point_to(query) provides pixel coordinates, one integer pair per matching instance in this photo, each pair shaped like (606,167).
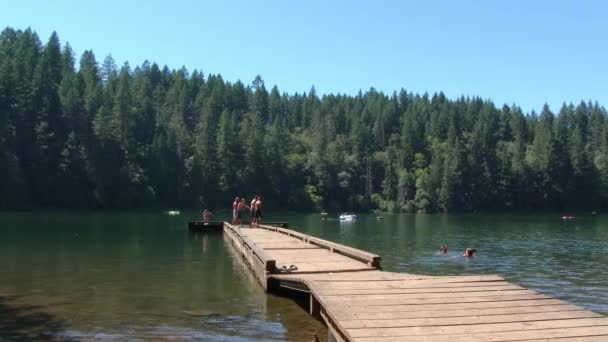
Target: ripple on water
(229,328)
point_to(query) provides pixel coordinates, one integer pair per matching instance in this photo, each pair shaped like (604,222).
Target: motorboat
(348,217)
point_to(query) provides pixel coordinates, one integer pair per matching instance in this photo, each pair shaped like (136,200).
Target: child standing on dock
(206,215)
(235,205)
(258,211)
(252,211)
(239,215)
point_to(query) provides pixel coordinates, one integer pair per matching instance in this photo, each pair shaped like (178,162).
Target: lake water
(141,276)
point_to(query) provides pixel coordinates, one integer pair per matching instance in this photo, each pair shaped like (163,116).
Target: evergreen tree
(391,174)
(49,129)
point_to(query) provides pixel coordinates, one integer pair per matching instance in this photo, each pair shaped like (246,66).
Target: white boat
(348,217)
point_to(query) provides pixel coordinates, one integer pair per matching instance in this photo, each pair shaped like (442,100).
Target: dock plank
(448,306)
(488,289)
(473,318)
(457,295)
(404,284)
(586,333)
(412,301)
(521,327)
(596,338)
(390,277)
(437,311)
(316,267)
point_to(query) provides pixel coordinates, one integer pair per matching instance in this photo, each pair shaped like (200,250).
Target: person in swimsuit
(252,212)
(235,205)
(206,215)
(258,211)
(443,249)
(239,210)
(469,252)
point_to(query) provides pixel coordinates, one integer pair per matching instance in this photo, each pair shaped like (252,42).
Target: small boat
(348,217)
(568,218)
(173,212)
(379,218)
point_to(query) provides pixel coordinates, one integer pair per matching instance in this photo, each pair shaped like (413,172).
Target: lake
(142,276)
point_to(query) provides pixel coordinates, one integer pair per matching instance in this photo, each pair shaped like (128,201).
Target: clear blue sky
(523,52)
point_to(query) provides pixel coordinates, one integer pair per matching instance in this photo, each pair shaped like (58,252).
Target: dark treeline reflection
(90,135)
(23,322)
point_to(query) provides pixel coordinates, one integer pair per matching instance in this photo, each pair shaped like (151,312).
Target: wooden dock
(360,302)
(201,226)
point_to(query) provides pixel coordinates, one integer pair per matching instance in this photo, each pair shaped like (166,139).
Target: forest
(90,135)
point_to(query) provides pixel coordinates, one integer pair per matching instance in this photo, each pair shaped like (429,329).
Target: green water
(134,276)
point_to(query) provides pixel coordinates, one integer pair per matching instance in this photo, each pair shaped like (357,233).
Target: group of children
(238,206)
(255,209)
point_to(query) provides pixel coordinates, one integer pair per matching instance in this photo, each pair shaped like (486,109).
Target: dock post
(315,307)
(272,285)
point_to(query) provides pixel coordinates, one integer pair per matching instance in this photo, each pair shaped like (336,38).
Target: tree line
(93,135)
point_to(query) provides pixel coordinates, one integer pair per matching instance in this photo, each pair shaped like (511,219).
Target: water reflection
(142,276)
(20,321)
(116,277)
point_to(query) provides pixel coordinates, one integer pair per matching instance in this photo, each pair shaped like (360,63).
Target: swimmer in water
(469,252)
(443,249)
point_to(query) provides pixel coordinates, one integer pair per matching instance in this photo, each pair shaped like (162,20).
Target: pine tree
(227,154)
(453,195)
(391,175)
(584,174)
(49,128)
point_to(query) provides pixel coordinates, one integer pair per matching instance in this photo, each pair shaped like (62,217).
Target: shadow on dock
(23,322)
